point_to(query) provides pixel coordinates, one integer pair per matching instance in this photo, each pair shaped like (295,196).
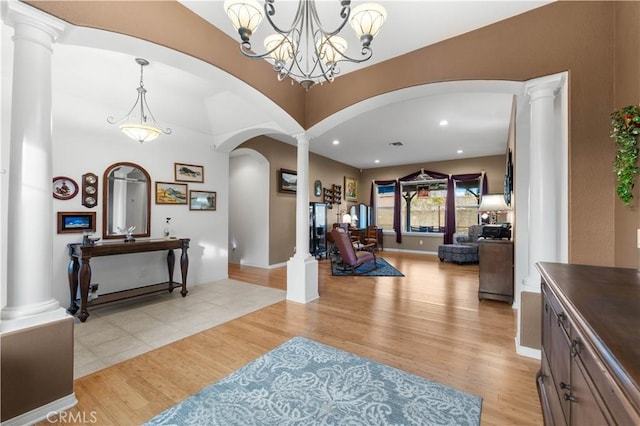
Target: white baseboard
(46,412)
(526,351)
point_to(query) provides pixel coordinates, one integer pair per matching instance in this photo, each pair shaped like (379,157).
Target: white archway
(248,208)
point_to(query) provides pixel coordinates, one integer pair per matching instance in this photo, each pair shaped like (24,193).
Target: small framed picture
(202,200)
(171,193)
(188,173)
(76,222)
(288,181)
(64,188)
(317,188)
(350,189)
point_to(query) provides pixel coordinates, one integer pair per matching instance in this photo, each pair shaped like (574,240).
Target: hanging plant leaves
(625,128)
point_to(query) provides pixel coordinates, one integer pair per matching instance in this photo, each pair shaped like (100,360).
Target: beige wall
(589,39)
(562,36)
(627,92)
(282,205)
(493,166)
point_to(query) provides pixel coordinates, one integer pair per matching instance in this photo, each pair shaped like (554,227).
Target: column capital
(546,86)
(302,137)
(15,13)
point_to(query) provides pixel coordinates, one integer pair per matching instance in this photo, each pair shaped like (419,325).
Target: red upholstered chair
(351,258)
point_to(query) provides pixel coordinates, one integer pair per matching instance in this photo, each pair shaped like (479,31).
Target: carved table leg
(171,261)
(72,272)
(85,279)
(184,268)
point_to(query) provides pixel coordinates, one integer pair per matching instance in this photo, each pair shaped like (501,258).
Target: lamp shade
(245,14)
(280,47)
(140,132)
(331,48)
(346,218)
(493,203)
(367,19)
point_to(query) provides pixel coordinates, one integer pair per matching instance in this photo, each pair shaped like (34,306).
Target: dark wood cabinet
(496,270)
(362,233)
(590,367)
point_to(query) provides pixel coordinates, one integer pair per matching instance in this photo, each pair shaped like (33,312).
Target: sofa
(465,248)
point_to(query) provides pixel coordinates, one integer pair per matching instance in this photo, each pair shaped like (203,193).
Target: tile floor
(121,330)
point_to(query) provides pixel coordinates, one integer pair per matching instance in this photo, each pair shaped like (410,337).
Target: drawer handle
(569,398)
(575,347)
(563,385)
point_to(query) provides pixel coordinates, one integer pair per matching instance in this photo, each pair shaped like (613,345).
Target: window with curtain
(424,205)
(384,206)
(467,199)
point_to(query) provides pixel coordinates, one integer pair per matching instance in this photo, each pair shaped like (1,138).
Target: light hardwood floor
(429,323)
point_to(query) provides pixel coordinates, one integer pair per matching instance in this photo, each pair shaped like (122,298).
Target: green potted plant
(625,128)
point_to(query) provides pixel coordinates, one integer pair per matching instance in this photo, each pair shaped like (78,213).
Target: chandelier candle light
(139,124)
(305,50)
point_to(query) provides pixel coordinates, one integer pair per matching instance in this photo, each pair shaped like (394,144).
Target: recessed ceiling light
(443,122)
(336,142)
(376,161)
(459,151)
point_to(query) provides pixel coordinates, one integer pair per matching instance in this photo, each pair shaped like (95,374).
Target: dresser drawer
(616,407)
(559,312)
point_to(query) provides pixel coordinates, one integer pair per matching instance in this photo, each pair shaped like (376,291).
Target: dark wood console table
(79,270)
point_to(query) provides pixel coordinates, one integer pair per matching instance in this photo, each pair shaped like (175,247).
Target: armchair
(472,237)
(464,250)
(351,258)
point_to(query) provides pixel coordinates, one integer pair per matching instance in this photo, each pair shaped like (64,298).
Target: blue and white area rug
(384,269)
(303,382)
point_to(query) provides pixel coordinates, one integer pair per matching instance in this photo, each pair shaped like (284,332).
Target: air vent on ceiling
(396,143)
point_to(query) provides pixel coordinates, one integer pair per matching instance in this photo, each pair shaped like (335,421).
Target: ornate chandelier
(305,50)
(139,124)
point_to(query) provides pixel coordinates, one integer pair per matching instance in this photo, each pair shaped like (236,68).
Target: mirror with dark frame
(126,201)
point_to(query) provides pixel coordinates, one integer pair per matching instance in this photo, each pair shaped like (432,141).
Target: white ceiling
(212,102)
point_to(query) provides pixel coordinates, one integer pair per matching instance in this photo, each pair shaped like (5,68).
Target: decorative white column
(544,169)
(302,268)
(30,211)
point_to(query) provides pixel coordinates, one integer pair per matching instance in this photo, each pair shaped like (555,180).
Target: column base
(302,279)
(26,311)
(25,321)
(42,353)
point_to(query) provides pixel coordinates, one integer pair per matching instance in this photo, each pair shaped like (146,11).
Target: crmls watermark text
(69,417)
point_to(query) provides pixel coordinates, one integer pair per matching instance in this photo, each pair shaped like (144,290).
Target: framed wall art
(171,193)
(202,200)
(64,188)
(288,181)
(350,189)
(188,173)
(76,222)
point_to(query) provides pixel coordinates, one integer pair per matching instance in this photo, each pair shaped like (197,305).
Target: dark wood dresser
(496,270)
(590,367)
